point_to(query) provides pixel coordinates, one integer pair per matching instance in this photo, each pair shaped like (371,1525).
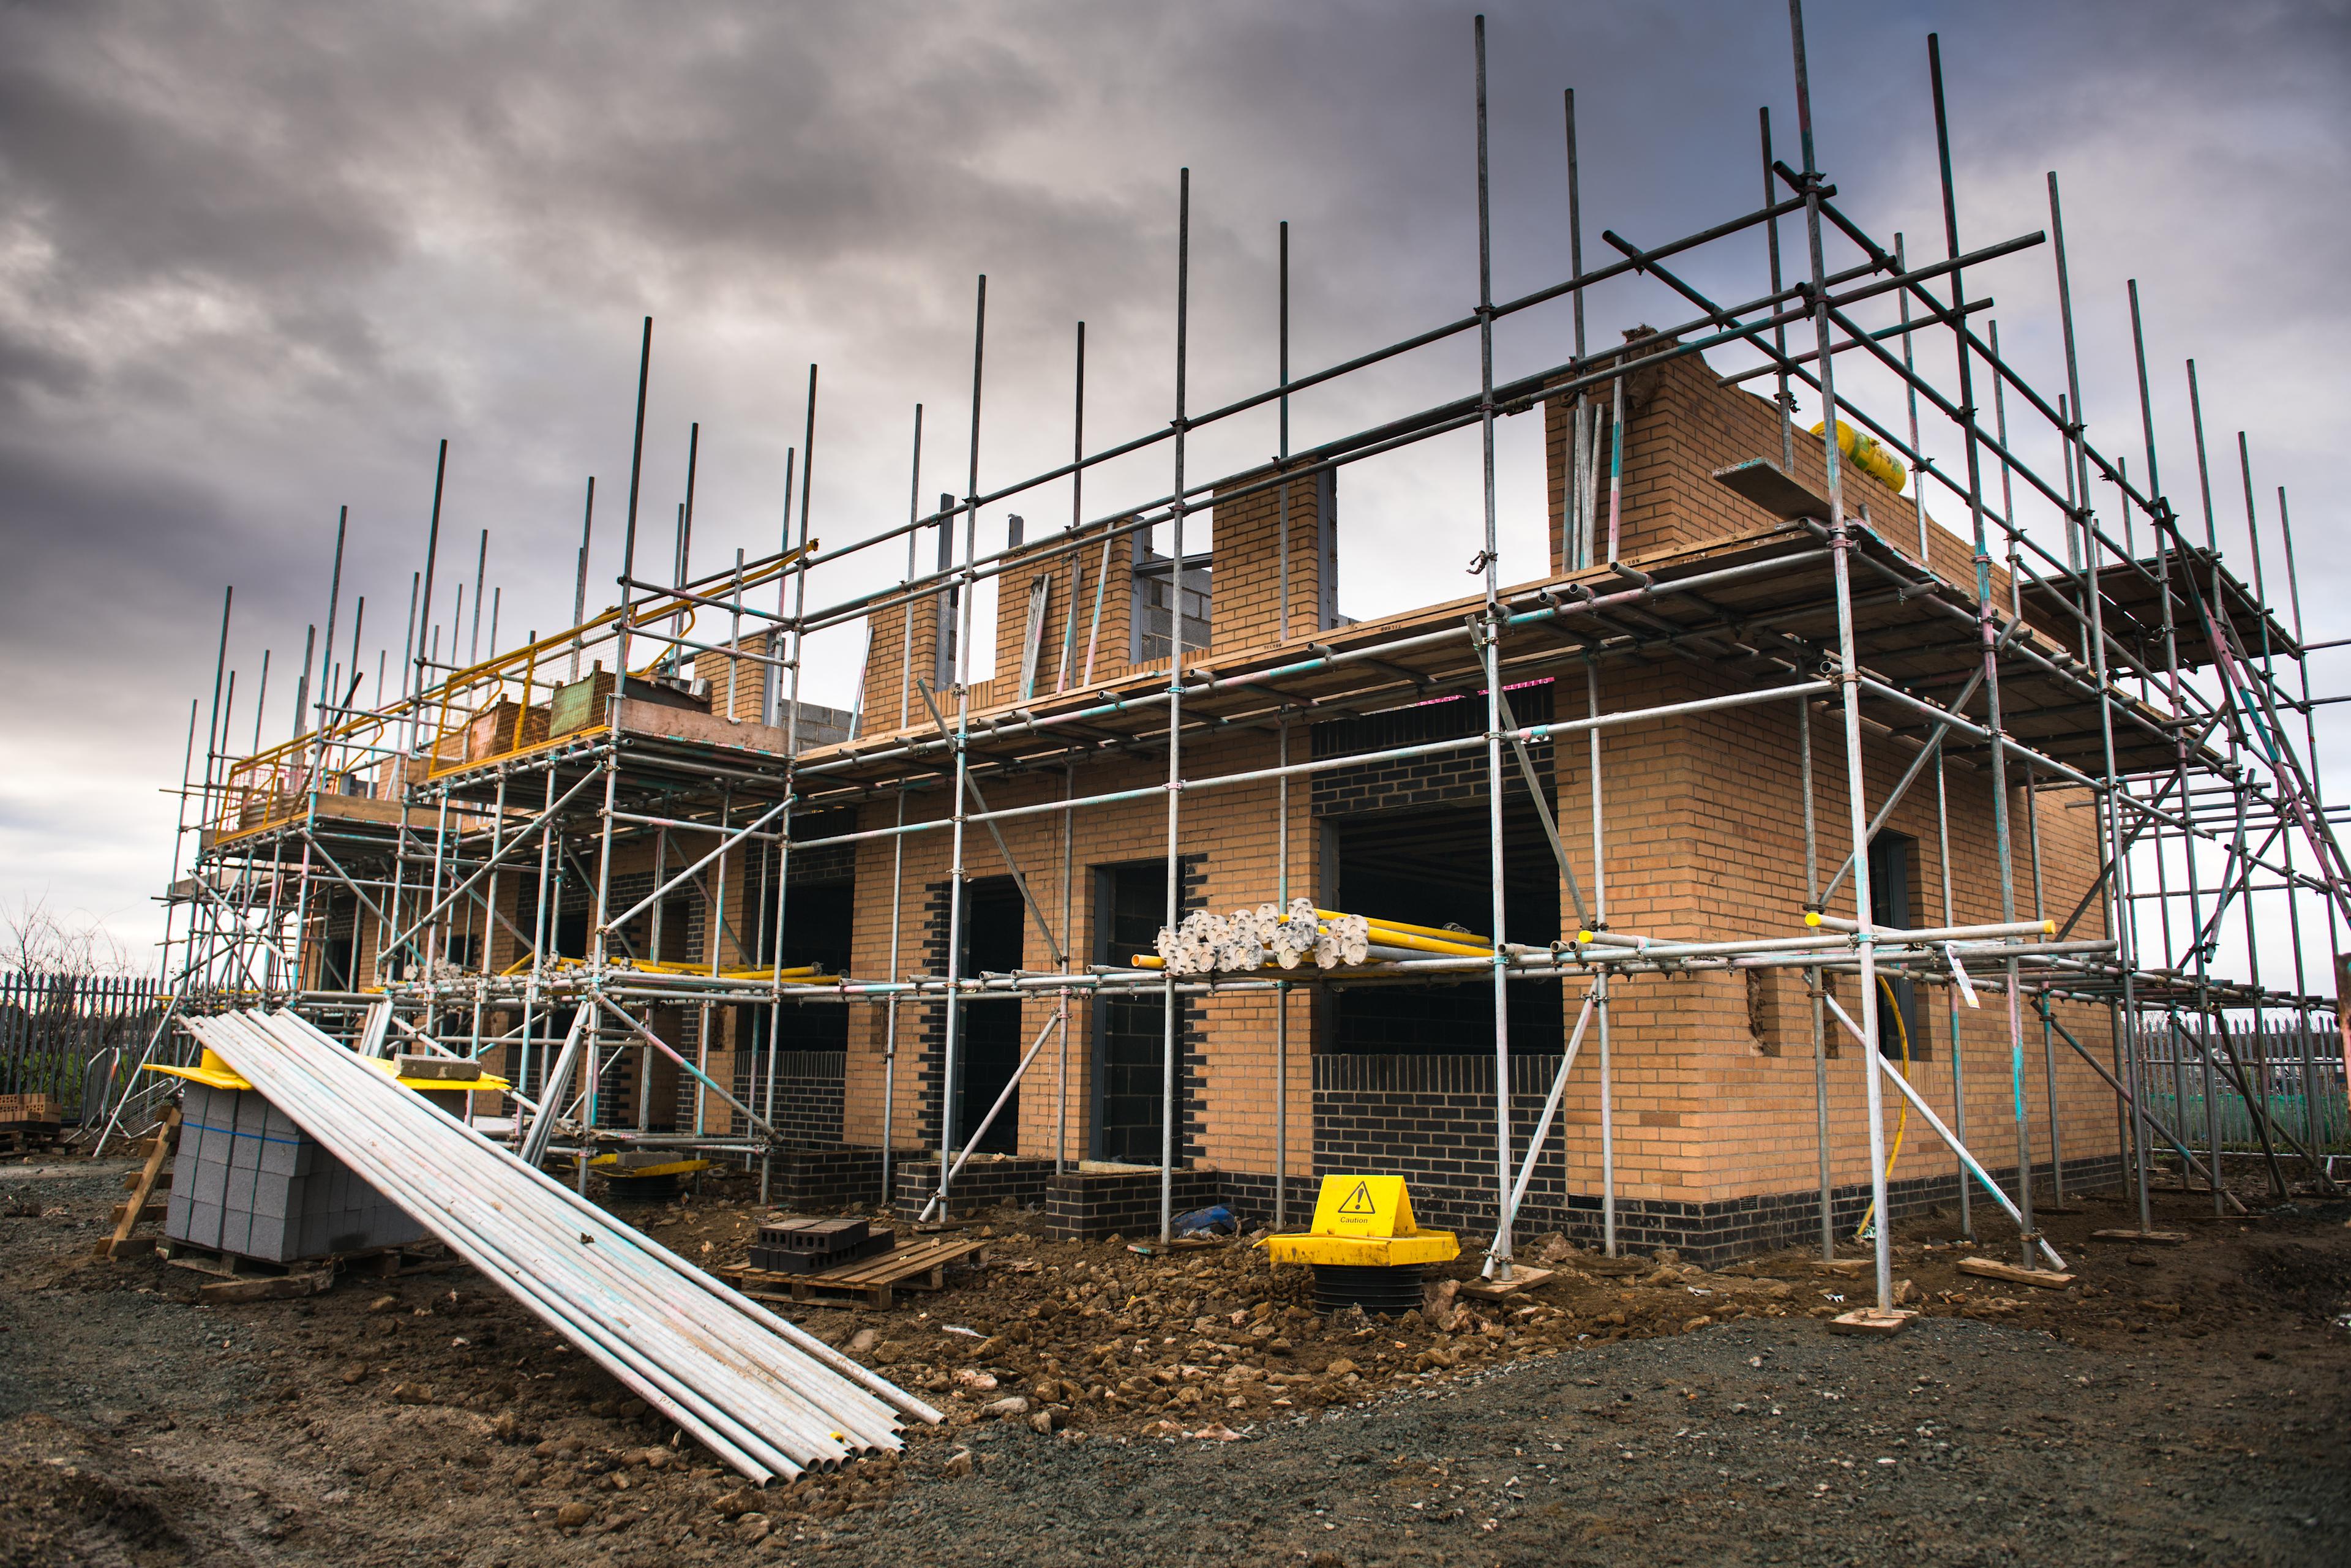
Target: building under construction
(1833,828)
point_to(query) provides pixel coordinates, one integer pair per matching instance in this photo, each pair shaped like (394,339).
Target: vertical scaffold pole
(1068,815)
(599,941)
(2311,1133)
(1848,673)
(419,675)
(1988,635)
(580,580)
(2164,539)
(1281,734)
(1599,985)
(1575,551)
(798,570)
(1497,1255)
(1943,779)
(542,895)
(1168,1030)
(2121,923)
(898,840)
(1069,939)
(961,807)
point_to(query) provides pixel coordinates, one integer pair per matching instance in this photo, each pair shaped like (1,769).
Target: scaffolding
(2123,659)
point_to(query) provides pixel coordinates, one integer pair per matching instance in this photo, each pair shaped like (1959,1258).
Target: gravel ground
(2189,1402)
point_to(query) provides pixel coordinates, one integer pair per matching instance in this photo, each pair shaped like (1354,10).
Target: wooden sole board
(268,1288)
(1522,1277)
(1990,1269)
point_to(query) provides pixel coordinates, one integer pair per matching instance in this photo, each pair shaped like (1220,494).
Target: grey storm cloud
(257,260)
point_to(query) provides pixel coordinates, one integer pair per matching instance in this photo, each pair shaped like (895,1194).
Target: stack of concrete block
(248,1181)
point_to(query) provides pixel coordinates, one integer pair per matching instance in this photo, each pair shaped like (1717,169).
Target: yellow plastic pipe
(1870,457)
(1436,933)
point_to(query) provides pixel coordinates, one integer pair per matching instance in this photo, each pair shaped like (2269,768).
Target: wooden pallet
(872,1282)
(29,1137)
(376,1263)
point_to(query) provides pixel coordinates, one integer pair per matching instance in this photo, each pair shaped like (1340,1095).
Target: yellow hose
(1903,1029)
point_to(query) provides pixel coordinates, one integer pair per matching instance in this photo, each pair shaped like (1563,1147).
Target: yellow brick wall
(738,686)
(1682,424)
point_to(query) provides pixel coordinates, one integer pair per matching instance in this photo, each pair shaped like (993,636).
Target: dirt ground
(2175,1401)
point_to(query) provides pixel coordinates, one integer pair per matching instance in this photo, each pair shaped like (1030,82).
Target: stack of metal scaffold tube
(1269,936)
(760,1393)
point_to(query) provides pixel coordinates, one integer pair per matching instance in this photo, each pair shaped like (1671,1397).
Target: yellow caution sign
(1363,1221)
(1363,1206)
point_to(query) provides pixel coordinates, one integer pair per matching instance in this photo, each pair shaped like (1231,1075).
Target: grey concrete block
(184,1161)
(197,1104)
(273,1239)
(204,1225)
(236,1230)
(238,1195)
(278,1155)
(252,1113)
(209,1185)
(272,1195)
(175,1214)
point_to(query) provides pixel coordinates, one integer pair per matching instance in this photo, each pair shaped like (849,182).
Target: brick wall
(1683,423)
(1444,778)
(808,1093)
(738,686)
(1072,576)
(1095,1203)
(1248,565)
(890,675)
(984,1182)
(1430,1119)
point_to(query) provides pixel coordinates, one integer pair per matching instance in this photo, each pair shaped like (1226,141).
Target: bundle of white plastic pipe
(1251,939)
(762,1393)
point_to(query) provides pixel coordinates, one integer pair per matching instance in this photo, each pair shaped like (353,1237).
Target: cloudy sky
(256,261)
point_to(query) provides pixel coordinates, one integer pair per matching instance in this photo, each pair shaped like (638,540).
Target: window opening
(1130,1031)
(1893,858)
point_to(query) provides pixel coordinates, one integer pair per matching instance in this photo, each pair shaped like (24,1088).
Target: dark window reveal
(1893,870)
(1130,1031)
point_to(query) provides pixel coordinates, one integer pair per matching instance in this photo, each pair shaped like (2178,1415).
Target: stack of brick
(248,1181)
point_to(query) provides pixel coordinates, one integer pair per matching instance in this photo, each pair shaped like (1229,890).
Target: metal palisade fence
(72,1038)
(2298,1073)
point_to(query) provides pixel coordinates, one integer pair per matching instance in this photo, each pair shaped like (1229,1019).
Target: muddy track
(2175,1401)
